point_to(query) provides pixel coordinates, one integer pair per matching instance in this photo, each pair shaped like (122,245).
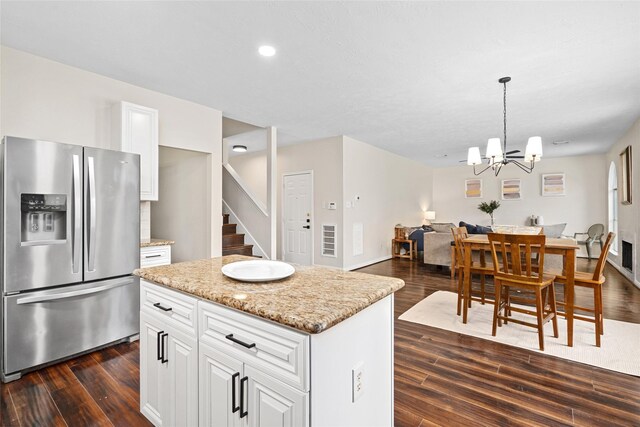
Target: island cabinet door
(181,357)
(153,373)
(220,377)
(271,403)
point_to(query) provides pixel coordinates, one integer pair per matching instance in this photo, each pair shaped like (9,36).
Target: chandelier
(497,156)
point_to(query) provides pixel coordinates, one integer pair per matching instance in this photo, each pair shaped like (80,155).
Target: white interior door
(298,228)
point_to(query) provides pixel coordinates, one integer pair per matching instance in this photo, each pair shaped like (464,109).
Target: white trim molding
(367,263)
(624,272)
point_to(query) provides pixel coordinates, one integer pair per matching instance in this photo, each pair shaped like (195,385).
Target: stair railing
(246,210)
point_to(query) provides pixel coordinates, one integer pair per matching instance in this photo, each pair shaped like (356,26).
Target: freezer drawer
(44,326)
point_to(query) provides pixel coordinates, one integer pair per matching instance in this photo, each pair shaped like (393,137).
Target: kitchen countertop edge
(313,324)
(156,242)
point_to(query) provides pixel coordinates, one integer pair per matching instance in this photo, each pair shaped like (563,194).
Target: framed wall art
(553,184)
(626,168)
(511,189)
(473,188)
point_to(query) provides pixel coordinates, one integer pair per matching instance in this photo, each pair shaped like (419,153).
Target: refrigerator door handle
(92,215)
(76,241)
(71,294)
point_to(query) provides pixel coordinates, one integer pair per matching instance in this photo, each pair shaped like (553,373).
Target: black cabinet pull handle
(164,358)
(158,345)
(234,377)
(237,341)
(157,305)
(153,256)
(243,413)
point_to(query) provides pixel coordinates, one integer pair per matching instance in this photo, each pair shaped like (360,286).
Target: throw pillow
(471,229)
(482,229)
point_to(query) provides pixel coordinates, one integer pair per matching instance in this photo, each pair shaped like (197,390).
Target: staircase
(232,242)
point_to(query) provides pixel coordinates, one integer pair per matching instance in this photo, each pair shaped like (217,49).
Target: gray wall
(184,207)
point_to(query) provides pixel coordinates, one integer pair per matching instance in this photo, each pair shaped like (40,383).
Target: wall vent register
(329,240)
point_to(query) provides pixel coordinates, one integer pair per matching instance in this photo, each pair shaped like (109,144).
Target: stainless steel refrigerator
(70,241)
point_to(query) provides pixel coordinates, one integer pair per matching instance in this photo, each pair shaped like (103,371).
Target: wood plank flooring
(441,377)
(98,389)
(445,378)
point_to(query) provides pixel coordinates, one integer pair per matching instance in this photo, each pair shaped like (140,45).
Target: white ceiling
(415,78)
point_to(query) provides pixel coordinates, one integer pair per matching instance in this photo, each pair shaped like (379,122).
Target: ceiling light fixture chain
(497,155)
(504,114)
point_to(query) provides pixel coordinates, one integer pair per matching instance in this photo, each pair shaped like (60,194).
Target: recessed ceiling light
(240,148)
(560,142)
(267,50)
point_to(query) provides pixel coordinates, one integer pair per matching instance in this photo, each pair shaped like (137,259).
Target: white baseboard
(366,263)
(625,273)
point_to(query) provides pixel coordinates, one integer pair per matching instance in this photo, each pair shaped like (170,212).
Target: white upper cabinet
(137,128)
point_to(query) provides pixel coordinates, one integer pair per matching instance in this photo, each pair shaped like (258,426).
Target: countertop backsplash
(145,220)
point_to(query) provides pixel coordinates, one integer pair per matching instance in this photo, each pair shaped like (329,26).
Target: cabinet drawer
(177,309)
(152,256)
(278,351)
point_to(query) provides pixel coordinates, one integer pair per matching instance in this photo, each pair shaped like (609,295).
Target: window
(613,206)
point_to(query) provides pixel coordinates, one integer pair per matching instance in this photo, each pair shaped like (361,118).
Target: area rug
(620,349)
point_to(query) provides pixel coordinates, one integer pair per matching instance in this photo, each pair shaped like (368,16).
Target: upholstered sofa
(438,246)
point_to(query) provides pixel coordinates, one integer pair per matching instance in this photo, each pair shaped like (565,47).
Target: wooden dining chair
(513,258)
(481,268)
(594,281)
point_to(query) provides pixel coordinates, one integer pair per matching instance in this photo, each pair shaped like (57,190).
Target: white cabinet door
(181,357)
(137,127)
(219,388)
(274,404)
(152,370)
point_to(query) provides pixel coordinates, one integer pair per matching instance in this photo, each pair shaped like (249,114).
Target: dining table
(555,246)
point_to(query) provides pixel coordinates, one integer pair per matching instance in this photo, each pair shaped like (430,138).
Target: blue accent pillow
(471,229)
(483,230)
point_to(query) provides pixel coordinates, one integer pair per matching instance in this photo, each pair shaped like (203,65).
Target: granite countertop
(145,243)
(312,300)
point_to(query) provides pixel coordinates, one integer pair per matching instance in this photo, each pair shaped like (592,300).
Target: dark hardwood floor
(97,389)
(445,378)
(441,377)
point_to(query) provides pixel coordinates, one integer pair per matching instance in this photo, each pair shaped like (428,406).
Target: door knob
(306,226)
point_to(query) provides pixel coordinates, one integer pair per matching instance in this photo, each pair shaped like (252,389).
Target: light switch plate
(357,381)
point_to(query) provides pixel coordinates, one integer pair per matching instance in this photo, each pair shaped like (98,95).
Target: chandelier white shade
(493,148)
(473,158)
(533,152)
(497,155)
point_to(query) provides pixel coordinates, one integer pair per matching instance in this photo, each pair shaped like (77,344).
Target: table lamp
(429,216)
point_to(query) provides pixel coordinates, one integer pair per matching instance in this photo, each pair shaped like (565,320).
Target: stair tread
(238,250)
(232,239)
(229,229)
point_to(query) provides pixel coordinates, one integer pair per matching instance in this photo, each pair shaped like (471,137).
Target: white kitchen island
(315,349)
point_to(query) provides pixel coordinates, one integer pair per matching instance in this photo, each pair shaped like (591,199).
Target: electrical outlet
(357,381)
